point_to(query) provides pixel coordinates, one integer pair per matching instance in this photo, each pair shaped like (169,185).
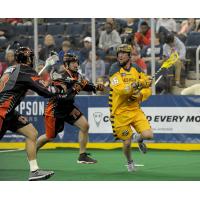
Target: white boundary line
(139,165)
(11,150)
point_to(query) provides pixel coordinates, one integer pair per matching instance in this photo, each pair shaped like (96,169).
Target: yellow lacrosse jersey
(121,88)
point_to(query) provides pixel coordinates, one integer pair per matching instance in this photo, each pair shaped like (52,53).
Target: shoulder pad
(137,68)
(114,68)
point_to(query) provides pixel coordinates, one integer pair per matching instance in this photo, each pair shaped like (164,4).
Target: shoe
(40,175)
(142,147)
(131,166)
(85,159)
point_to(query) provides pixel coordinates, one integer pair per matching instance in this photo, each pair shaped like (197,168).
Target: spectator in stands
(2,35)
(10,58)
(172,43)
(132,25)
(28,21)
(3,67)
(186,27)
(165,26)
(192,90)
(84,52)
(109,39)
(140,20)
(111,21)
(117,24)
(136,58)
(66,48)
(49,45)
(14,21)
(198,28)
(87,66)
(168,23)
(143,37)
(158,51)
(129,30)
(6,32)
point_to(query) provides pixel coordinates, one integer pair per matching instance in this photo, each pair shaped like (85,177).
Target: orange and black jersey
(14,84)
(60,107)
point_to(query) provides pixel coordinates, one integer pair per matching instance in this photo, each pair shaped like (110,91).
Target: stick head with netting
(52,60)
(168,63)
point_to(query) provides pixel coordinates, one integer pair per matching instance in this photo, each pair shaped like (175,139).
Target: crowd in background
(74,36)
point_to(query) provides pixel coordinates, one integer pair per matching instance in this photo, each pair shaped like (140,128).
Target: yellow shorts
(123,122)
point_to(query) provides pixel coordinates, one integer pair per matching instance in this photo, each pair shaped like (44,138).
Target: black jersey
(14,84)
(61,107)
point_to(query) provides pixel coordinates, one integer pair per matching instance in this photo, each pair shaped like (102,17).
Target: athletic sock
(138,137)
(33,165)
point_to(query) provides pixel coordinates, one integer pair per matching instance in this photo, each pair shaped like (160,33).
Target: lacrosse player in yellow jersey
(129,86)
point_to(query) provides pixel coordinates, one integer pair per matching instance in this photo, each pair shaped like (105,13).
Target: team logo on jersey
(97,117)
(115,81)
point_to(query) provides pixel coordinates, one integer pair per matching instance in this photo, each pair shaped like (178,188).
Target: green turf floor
(158,165)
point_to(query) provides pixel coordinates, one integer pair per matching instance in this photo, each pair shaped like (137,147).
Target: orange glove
(77,87)
(84,82)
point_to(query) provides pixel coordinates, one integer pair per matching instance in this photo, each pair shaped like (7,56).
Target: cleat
(85,159)
(131,166)
(142,147)
(40,175)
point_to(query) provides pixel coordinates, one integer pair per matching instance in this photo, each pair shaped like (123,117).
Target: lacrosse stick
(166,65)
(52,60)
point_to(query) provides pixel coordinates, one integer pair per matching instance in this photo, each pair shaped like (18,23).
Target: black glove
(93,87)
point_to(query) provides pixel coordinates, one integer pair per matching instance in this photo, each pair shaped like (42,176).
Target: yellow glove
(145,83)
(136,96)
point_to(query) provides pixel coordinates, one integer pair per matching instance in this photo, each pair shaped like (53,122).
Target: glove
(136,96)
(93,88)
(84,82)
(100,87)
(22,119)
(77,87)
(145,83)
(142,83)
(136,85)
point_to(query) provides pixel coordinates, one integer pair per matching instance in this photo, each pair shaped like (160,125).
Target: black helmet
(69,57)
(24,55)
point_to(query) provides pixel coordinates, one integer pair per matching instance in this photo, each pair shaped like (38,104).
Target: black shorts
(54,125)
(11,123)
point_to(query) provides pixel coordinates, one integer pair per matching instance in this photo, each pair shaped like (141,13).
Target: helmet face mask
(124,54)
(71,61)
(24,55)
